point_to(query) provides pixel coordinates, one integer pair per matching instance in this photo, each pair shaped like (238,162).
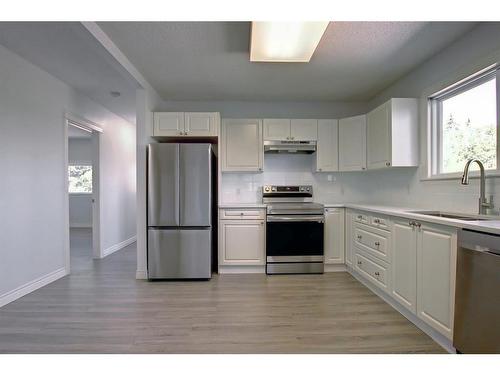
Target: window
(464,125)
(80,178)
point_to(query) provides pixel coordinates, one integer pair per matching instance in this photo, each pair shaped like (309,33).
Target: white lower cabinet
(375,271)
(404,264)
(242,242)
(349,222)
(334,236)
(436,267)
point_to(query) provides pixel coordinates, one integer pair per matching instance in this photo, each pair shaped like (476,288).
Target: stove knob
(308,189)
(267,188)
(273,189)
(302,189)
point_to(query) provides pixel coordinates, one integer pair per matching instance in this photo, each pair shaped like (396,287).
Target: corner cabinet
(352,143)
(327,149)
(334,236)
(392,134)
(242,146)
(181,124)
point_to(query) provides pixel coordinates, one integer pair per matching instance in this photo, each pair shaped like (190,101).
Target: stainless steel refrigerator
(179,211)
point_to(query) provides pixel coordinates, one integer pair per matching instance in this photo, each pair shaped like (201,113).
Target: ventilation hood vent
(289,147)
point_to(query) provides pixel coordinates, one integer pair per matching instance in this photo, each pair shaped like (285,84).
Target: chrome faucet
(484,205)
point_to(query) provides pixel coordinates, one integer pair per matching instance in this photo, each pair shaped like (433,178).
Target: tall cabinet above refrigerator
(180,202)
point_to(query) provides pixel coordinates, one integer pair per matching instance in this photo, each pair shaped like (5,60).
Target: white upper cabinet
(191,124)
(392,134)
(304,130)
(201,123)
(352,143)
(327,151)
(334,235)
(241,145)
(276,129)
(168,124)
(290,130)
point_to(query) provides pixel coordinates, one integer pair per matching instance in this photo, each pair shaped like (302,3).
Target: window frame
(435,121)
(86,164)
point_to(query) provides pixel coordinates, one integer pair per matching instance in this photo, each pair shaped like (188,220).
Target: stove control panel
(287,190)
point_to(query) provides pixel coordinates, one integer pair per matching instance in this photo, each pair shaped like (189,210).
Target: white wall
(32,208)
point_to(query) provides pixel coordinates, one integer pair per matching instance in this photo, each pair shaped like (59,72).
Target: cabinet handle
(293,137)
(377,221)
(181,133)
(418,224)
(261,223)
(377,244)
(260,169)
(411,223)
(360,217)
(241,213)
(320,169)
(388,164)
(359,262)
(185,133)
(360,236)
(377,274)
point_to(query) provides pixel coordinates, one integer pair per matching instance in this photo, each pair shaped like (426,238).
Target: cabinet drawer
(379,222)
(247,214)
(361,218)
(373,241)
(375,272)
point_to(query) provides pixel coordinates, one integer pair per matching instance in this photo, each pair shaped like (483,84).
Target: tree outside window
(80,178)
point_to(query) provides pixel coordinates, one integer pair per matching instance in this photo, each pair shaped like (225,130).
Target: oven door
(294,238)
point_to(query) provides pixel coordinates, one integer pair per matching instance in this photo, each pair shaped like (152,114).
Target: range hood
(289,147)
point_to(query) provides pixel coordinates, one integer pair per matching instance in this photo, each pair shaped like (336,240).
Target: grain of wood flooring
(101,308)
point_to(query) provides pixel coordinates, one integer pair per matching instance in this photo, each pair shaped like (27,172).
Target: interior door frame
(95,130)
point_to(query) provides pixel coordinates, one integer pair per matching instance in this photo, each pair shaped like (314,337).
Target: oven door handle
(298,218)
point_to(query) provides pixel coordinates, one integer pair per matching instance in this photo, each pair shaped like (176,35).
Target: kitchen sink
(451,215)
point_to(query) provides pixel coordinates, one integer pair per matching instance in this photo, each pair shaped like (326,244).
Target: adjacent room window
(464,125)
(80,178)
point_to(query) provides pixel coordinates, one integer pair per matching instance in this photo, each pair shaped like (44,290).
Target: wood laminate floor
(101,308)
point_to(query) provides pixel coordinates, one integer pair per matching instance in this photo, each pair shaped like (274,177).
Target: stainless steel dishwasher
(477,293)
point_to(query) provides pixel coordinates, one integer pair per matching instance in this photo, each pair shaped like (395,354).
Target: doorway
(82,166)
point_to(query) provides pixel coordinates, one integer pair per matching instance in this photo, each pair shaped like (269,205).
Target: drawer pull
(377,221)
(360,236)
(360,217)
(377,273)
(377,243)
(359,263)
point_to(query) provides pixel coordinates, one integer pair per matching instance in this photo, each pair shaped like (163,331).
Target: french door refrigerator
(179,210)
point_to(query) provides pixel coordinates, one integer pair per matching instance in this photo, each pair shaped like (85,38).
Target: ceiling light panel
(285,41)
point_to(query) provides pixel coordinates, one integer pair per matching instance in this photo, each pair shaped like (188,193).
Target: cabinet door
(436,267)
(277,129)
(348,237)
(334,236)
(201,123)
(304,130)
(352,143)
(241,242)
(327,152)
(168,124)
(404,264)
(378,129)
(242,148)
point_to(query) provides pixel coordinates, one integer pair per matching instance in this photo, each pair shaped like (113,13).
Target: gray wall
(33,188)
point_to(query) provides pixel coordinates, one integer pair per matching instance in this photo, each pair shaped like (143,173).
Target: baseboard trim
(31,286)
(141,275)
(118,246)
(335,268)
(241,269)
(441,340)
(80,225)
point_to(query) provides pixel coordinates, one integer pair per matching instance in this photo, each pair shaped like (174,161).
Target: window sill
(458,176)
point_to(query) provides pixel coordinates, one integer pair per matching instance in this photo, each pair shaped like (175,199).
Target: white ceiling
(210,60)
(70,53)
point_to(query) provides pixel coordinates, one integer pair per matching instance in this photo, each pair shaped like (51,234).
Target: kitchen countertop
(488,226)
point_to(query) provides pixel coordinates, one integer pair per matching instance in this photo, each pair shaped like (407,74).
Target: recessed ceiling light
(285,41)
(115,94)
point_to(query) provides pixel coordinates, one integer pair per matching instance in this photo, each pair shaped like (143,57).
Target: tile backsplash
(394,187)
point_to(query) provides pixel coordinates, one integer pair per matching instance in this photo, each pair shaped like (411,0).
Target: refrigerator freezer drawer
(179,253)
